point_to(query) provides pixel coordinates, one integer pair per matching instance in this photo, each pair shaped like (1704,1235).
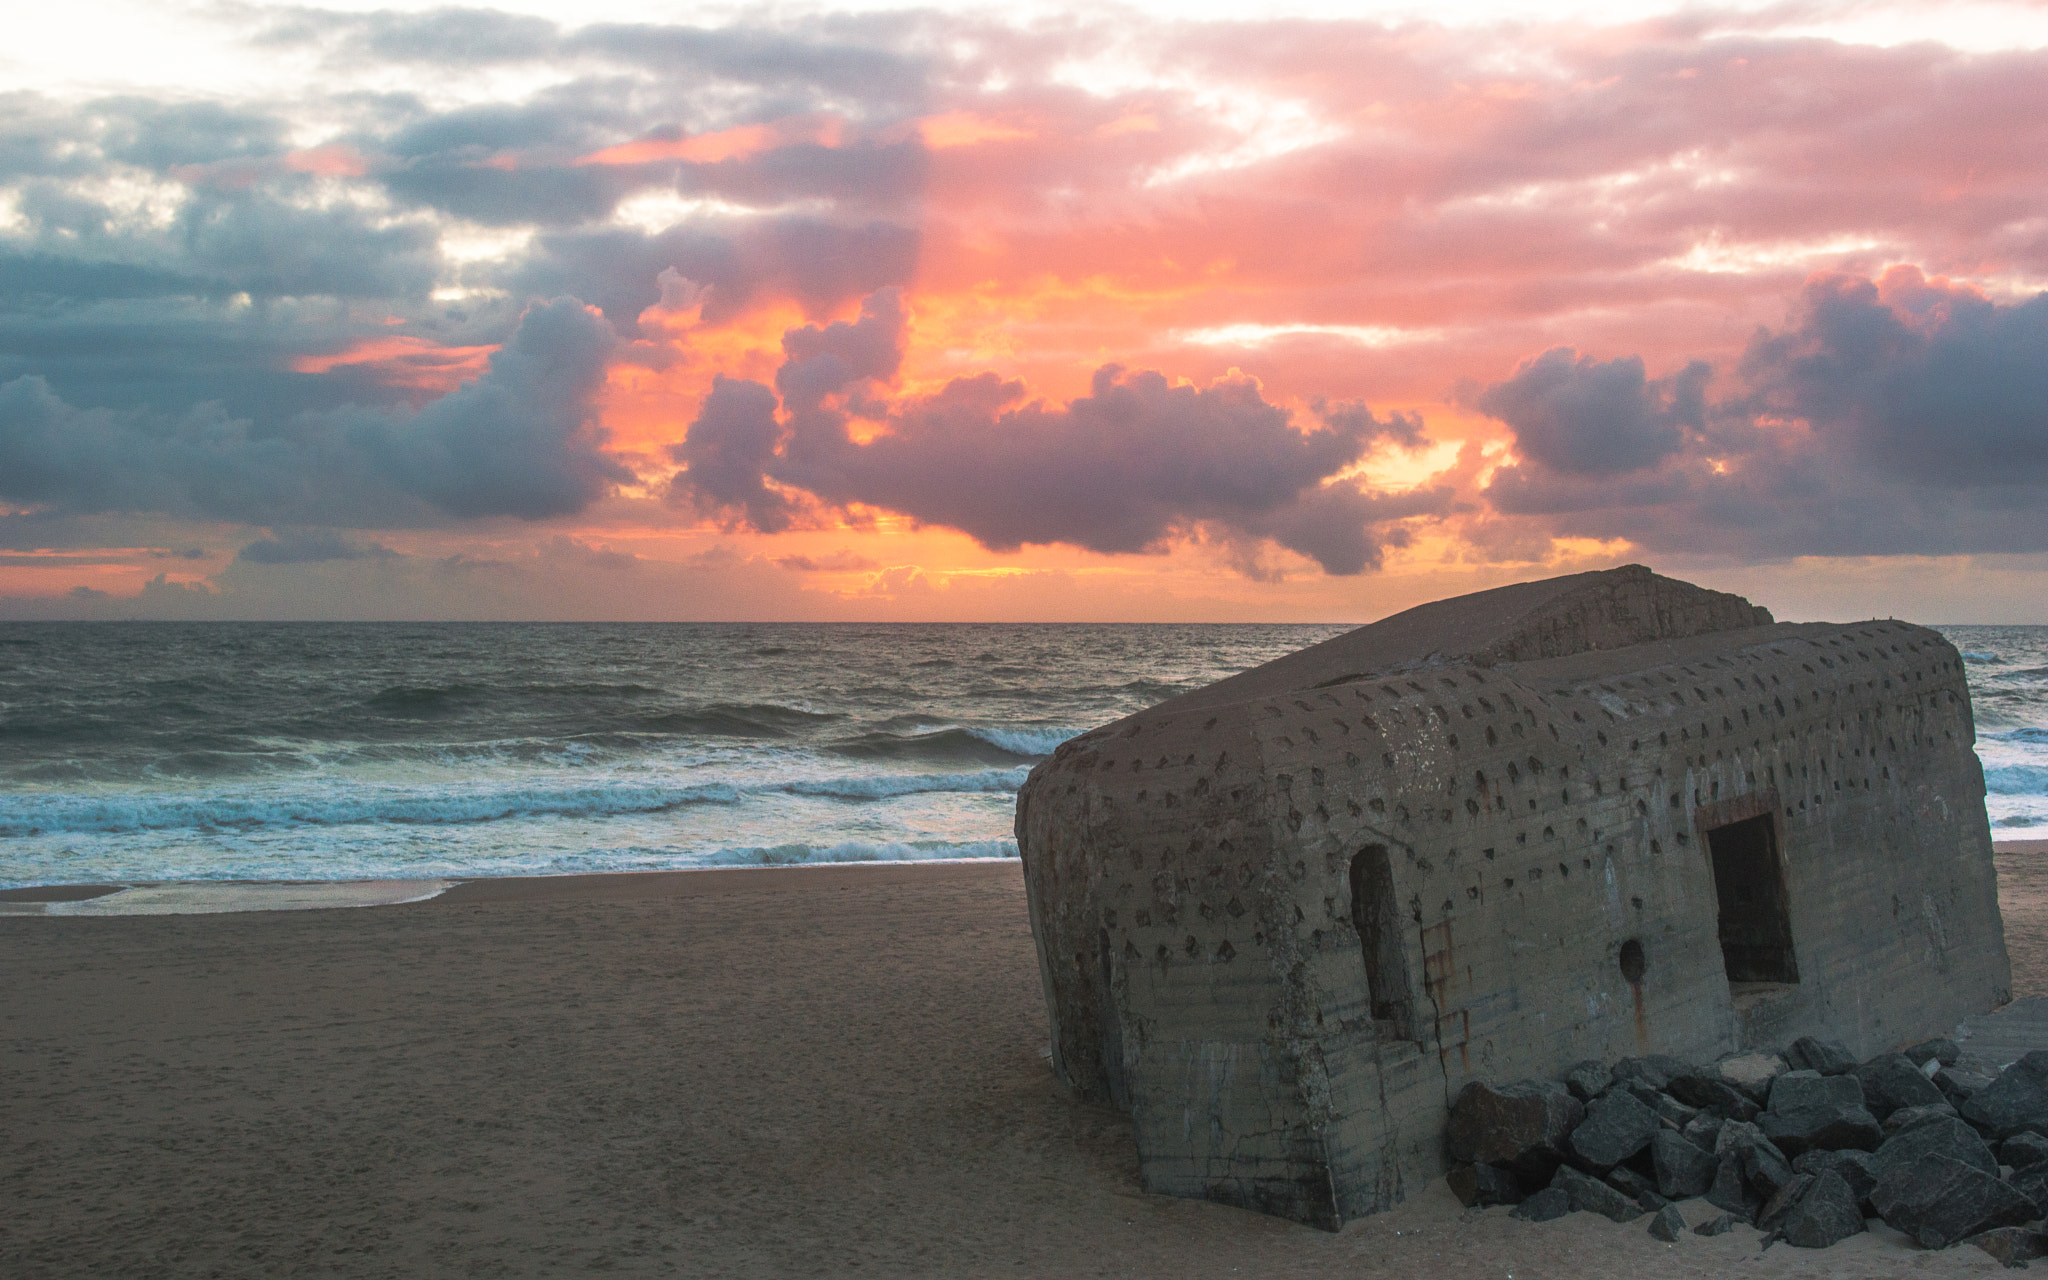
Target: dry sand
(810,1072)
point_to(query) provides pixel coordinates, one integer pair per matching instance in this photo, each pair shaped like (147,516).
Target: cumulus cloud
(1900,415)
(1579,416)
(522,440)
(1119,470)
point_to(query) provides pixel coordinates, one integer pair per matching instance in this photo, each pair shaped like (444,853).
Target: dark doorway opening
(1378,921)
(1756,912)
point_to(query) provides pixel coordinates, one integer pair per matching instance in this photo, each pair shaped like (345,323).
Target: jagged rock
(2032,1182)
(1939,1200)
(1594,1196)
(1752,1073)
(1522,1127)
(1616,1127)
(1942,1050)
(1829,1057)
(1656,1070)
(1959,1085)
(1890,1082)
(1828,1212)
(1673,1113)
(1635,1186)
(1906,1117)
(1683,1169)
(1730,1190)
(2014,1246)
(1809,1111)
(2023,1149)
(1764,1167)
(1545,1205)
(2016,1100)
(1667,1225)
(1480,1185)
(1716,1226)
(1940,1135)
(1781,1203)
(1704,1130)
(1588,1080)
(1709,1092)
(1852,1167)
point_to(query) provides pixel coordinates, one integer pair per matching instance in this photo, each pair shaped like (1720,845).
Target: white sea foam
(1023,741)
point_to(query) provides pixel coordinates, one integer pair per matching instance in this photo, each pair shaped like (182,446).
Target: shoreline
(674,882)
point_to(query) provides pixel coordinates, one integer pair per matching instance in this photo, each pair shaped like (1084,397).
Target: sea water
(148,752)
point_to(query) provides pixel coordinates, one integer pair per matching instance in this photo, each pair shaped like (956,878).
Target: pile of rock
(1806,1145)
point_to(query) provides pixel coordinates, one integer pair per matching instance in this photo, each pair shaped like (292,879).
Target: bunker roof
(1558,617)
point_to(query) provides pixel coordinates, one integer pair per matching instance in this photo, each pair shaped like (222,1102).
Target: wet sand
(823,1071)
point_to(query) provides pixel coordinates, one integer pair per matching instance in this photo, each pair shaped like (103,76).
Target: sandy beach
(818,1071)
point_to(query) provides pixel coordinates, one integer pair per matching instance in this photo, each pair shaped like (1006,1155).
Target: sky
(625,310)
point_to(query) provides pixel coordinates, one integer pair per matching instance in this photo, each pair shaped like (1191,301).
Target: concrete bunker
(1283,919)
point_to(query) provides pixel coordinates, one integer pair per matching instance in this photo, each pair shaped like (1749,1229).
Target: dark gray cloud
(1930,385)
(310,546)
(821,264)
(1578,416)
(1899,416)
(1122,469)
(520,441)
(729,450)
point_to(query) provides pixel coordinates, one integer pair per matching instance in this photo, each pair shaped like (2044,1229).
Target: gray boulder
(1730,1190)
(1829,1212)
(1941,1050)
(1546,1205)
(1480,1185)
(1751,1073)
(1588,1080)
(1673,1113)
(1764,1167)
(1853,1167)
(1716,1226)
(2023,1149)
(1683,1169)
(1938,1200)
(1939,1135)
(1774,1209)
(2016,1100)
(2032,1182)
(1521,1127)
(1616,1127)
(1959,1084)
(1907,1117)
(1829,1057)
(2014,1246)
(1890,1082)
(1704,1130)
(1636,1187)
(1709,1092)
(1668,1224)
(1590,1195)
(1808,1111)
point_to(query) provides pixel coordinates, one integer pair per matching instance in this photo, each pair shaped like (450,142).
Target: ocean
(134,752)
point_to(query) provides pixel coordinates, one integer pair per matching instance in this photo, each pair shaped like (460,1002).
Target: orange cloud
(968,129)
(333,160)
(401,361)
(727,144)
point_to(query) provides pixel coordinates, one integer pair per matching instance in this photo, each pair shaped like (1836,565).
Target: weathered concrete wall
(1189,871)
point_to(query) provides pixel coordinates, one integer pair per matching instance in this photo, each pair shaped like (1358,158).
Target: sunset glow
(1105,315)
